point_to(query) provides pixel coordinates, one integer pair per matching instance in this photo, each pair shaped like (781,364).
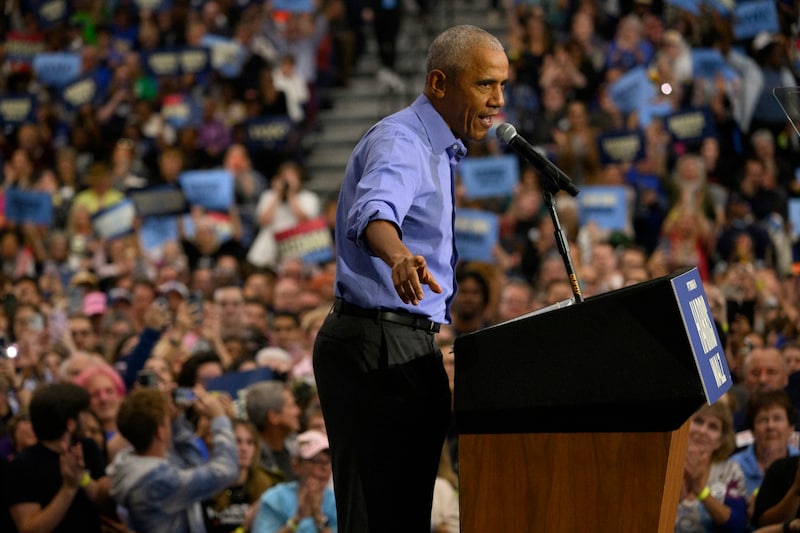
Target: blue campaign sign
(605,205)
(294,6)
(621,147)
(632,90)
(115,221)
(707,63)
(751,18)
(794,216)
(163,63)
(233,382)
(489,177)
(692,6)
(703,338)
(157,230)
(80,92)
(691,125)
(227,55)
(477,234)
(268,132)
(211,189)
(57,69)
(29,206)
(52,12)
(194,60)
(16,110)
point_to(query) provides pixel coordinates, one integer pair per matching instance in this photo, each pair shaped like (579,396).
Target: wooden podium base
(571,482)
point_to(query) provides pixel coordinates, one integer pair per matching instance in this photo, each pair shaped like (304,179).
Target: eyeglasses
(319,461)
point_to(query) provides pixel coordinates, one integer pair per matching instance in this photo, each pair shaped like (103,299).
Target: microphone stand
(550,190)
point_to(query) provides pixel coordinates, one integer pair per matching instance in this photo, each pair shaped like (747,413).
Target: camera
(183,396)
(147,379)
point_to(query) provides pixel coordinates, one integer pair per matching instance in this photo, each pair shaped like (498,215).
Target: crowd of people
(127,393)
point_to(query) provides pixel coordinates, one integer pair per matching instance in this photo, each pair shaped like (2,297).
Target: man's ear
(437,83)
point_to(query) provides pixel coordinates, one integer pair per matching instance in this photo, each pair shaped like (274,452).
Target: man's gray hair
(447,51)
(261,398)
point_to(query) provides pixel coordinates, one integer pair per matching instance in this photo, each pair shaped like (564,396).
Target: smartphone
(147,378)
(183,396)
(196,301)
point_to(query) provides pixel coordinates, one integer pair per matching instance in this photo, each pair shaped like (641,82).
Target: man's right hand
(408,276)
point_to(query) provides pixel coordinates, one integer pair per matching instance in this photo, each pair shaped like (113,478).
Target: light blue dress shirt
(402,172)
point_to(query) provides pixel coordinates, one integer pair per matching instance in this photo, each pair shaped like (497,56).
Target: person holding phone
(158,495)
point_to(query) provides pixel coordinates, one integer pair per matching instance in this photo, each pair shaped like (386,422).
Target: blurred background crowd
(101,102)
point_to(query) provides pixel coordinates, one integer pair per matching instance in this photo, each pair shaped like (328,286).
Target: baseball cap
(311,442)
(174,286)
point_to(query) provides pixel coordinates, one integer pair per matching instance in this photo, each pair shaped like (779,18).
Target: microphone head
(506,132)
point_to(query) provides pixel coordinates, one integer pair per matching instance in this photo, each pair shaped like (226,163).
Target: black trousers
(386,402)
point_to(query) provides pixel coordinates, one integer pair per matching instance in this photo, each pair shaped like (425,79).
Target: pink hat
(311,442)
(94,303)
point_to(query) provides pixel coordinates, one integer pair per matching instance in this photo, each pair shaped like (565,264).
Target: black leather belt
(397,317)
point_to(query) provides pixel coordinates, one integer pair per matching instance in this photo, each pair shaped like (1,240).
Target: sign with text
(28,206)
(605,205)
(692,6)
(227,56)
(180,110)
(690,126)
(161,200)
(57,69)
(703,337)
(621,147)
(632,90)
(487,177)
(477,234)
(21,48)
(16,110)
(115,221)
(708,63)
(211,189)
(751,18)
(310,241)
(268,132)
(155,231)
(80,92)
(52,12)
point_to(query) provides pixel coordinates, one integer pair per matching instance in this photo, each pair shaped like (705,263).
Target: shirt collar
(439,133)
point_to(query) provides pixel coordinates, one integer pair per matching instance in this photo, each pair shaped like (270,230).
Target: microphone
(508,134)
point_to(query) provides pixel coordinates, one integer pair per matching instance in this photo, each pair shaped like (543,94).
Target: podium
(576,419)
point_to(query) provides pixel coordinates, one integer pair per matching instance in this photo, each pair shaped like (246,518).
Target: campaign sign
(227,56)
(155,231)
(16,110)
(163,63)
(632,90)
(488,177)
(692,6)
(80,92)
(621,147)
(690,126)
(153,6)
(605,205)
(21,48)
(52,12)
(194,60)
(723,7)
(655,110)
(115,221)
(161,200)
(751,18)
(28,206)
(180,110)
(268,132)
(794,217)
(477,233)
(708,63)
(310,241)
(57,69)
(233,382)
(293,6)
(211,189)
(703,337)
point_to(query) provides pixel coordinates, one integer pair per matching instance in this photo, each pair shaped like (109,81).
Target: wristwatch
(323,523)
